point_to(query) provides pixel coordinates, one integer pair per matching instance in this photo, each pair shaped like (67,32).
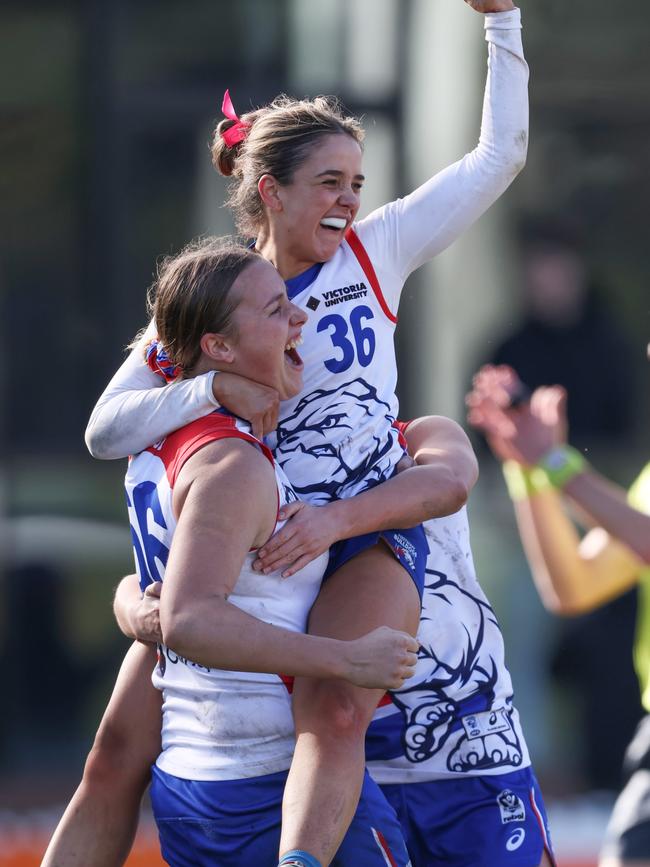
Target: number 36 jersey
(337,438)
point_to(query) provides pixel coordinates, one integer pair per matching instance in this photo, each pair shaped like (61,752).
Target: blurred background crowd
(106,110)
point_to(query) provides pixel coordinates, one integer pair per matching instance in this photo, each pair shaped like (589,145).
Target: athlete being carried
(297,178)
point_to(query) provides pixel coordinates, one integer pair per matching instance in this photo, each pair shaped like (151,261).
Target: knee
(115,759)
(106,759)
(334,713)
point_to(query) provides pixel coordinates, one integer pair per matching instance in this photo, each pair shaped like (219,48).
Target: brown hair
(279,138)
(192,295)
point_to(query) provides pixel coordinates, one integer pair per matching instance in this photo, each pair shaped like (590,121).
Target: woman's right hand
(259,404)
(145,616)
(382,659)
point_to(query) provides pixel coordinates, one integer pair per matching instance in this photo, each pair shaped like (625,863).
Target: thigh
(227,823)
(489,821)
(370,590)
(132,722)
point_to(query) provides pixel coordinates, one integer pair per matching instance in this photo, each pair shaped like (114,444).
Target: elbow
(520,152)
(461,482)
(509,163)
(97,444)
(456,490)
(177,630)
(459,493)
(562,608)
(643,552)
(566,605)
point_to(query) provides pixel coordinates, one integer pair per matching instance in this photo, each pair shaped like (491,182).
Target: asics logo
(515,840)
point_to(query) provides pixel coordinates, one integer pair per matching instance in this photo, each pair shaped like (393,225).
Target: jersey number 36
(360,344)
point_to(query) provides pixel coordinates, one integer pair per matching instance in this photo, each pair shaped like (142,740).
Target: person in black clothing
(565,321)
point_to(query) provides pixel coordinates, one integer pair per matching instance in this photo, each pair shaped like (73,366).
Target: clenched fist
(382,659)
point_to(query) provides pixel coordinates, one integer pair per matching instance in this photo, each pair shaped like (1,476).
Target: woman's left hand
(486,6)
(309,531)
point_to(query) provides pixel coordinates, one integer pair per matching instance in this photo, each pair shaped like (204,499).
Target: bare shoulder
(227,468)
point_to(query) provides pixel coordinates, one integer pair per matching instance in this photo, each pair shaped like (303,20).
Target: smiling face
(266,331)
(310,215)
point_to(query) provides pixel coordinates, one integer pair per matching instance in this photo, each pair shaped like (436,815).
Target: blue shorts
(410,548)
(236,823)
(488,821)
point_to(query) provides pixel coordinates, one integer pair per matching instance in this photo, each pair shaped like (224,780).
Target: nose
(297,316)
(349,198)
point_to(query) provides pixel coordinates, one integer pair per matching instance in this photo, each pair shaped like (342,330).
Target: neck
(203,365)
(278,254)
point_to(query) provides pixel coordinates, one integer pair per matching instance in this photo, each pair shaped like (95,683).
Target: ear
(218,348)
(269,190)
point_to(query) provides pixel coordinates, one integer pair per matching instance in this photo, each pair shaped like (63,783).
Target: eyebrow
(275,299)
(339,174)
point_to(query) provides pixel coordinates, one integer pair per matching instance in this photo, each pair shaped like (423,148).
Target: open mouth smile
(291,354)
(337,224)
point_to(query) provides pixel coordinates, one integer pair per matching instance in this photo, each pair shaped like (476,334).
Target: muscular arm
(439,484)
(208,550)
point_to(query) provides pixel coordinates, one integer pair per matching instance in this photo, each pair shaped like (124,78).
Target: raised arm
(206,557)
(572,574)
(412,230)
(137,409)
(443,472)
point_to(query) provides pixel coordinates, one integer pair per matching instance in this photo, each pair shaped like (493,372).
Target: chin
(291,390)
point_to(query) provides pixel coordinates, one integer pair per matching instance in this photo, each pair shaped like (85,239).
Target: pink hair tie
(158,360)
(238,132)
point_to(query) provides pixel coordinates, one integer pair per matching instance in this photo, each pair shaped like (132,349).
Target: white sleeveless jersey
(217,724)
(455,716)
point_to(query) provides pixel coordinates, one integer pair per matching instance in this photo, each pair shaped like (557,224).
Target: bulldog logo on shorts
(511,807)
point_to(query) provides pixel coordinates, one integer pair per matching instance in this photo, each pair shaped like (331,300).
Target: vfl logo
(515,840)
(405,550)
(511,807)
